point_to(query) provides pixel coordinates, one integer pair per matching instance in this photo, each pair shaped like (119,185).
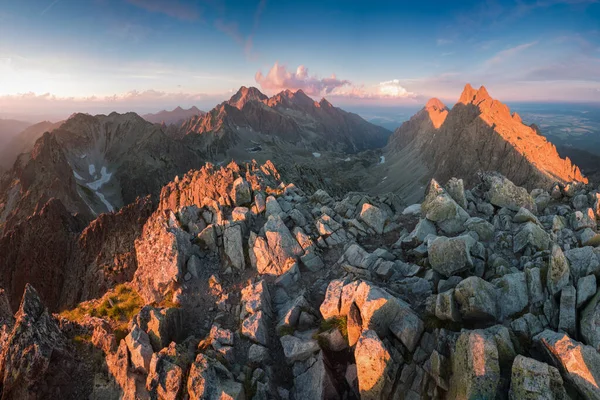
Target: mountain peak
(437,112)
(435,104)
(467,95)
(244,95)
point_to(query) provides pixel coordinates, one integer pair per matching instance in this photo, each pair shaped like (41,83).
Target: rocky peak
(244,95)
(468,94)
(437,112)
(31,304)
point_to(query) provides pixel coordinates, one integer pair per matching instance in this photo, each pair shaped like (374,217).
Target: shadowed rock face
(68,263)
(480,134)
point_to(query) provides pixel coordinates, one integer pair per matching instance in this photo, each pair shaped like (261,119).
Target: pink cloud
(279,78)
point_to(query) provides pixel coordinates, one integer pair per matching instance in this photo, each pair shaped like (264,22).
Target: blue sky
(153,54)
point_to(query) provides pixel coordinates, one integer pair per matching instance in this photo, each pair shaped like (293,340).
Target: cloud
(172,8)
(503,55)
(279,78)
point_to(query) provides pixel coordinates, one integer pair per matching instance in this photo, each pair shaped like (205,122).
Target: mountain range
(270,248)
(174,117)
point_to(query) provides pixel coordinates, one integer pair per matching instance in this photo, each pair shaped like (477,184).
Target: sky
(62,56)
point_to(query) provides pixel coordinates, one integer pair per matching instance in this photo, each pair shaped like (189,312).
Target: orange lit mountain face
(480,134)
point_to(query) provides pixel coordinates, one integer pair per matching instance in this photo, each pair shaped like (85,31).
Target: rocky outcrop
(35,362)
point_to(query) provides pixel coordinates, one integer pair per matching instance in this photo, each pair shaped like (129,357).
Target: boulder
(209,379)
(441,208)
(375,367)
(374,217)
(586,288)
(330,307)
(475,367)
(558,271)
(531,234)
(446,308)
(512,291)
(241,193)
(501,192)
(315,381)
(483,228)
(583,219)
(280,240)
(579,364)
(140,349)
(582,262)
(477,299)
(449,256)
(566,321)
(589,322)
(296,349)
(233,246)
(456,189)
(535,380)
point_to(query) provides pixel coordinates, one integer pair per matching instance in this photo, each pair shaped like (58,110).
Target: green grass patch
(118,306)
(341,323)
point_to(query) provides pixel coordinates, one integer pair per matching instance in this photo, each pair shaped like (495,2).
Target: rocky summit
(146,261)
(237,284)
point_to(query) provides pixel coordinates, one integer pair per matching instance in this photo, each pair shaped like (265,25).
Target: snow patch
(77,176)
(83,156)
(384,178)
(382,160)
(347,159)
(97,184)
(104,177)
(92,169)
(317,155)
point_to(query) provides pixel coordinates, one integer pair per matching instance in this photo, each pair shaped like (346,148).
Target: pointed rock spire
(467,95)
(435,104)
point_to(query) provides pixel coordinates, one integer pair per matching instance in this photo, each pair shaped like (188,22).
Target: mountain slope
(24,142)
(9,128)
(176,116)
(477,134)
(93,164)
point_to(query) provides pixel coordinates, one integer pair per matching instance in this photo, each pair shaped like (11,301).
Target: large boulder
(512,290)
(558,271)
(375,367)
(477,299)
(241,192)
(501,192)
(449,256)
(373,217)
(531,234)
(162,253)
(590,321)
(296,349)
(209,379)
(233,246)
(535,380)
(579,364)
(475,367)
(441,208)
(315,381)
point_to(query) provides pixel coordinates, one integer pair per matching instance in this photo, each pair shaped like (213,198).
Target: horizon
(152,55)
